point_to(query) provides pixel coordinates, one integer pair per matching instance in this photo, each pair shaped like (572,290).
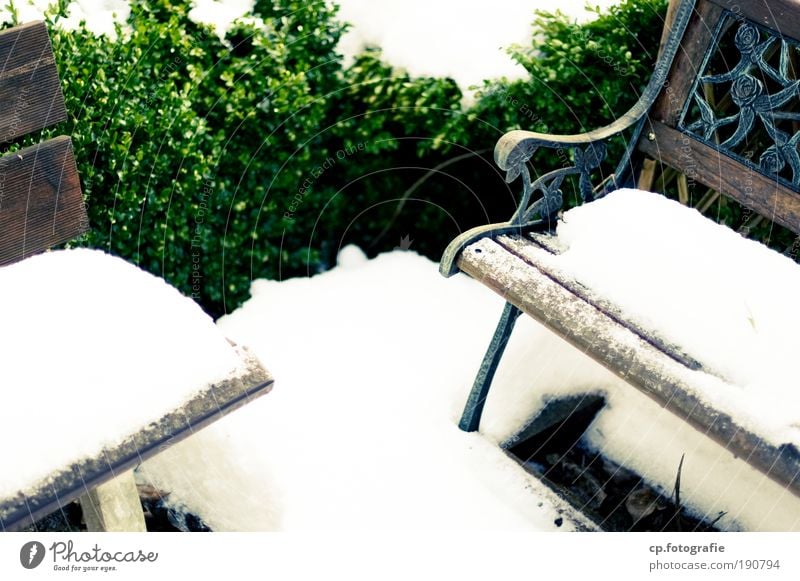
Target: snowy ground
(359,433)
(463,39)
(359,437)
(373,362)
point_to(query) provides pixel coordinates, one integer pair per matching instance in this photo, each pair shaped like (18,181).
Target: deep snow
(373,361)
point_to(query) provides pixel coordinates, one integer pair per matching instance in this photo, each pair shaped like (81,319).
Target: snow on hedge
(461,39)
(91,350)
(465,40)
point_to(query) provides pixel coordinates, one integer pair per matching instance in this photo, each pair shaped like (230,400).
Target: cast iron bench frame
(507,257)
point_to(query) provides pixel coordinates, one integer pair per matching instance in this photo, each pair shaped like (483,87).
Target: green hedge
(582,77)
(212,163)
(188,148)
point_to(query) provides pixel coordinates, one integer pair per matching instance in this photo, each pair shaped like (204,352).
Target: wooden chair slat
(30,90)
(41,204)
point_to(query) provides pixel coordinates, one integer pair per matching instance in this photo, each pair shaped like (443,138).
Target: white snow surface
(374,359)
(371,362)
(91,350)
(728,301)
(462,39)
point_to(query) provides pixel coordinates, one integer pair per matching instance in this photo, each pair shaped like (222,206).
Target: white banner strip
(407,555)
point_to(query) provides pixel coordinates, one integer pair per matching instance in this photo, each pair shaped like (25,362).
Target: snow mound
(372,367)
(92,349)
(351,256)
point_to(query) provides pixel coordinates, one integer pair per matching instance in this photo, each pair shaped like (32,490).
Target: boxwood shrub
(213,162)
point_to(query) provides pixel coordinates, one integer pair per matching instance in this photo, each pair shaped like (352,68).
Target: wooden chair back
(41,203)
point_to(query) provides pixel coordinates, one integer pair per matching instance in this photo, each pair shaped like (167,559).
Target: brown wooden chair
(41,205)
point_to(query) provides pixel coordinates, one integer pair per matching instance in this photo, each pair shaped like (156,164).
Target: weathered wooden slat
(537,253)
(686,65)
(724,174)
(647,174)
(30,90)
(625,353)
(779,15)
(40,200)
(67,484)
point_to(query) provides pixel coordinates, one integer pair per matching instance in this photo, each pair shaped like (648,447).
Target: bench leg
(114,506)
(471,418)
(647,175)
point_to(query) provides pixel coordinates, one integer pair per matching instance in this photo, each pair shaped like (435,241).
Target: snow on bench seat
(703,307)
(723,300)
(361,434)
(101,363)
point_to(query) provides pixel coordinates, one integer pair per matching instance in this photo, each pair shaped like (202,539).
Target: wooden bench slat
(779,15)
(724,174)
(41,204)
(537,251)
(668,106)
(632,358)
(62,487)
(30,90)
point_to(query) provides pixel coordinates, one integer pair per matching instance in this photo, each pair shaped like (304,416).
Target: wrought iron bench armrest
(515,148)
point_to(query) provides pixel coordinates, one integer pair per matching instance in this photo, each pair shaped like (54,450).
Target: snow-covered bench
(101,364)
(689,312)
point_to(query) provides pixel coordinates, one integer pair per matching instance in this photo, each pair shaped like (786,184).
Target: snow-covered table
(689,312)
(102,365)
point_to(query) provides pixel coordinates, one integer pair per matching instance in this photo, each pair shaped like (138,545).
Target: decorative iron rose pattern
(586,159)
(755,104)
(746,38)
(745,90)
